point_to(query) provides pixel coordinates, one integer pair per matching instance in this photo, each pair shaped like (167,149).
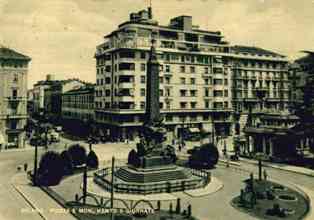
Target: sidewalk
(44,205)
(285,167)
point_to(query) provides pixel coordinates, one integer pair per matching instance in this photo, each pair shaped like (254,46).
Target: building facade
(47,95)
(78,103)
(195,75)
(78,111)
(13,97)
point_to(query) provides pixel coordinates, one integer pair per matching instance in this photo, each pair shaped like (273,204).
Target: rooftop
(88,88)
(7,53)
(254,50)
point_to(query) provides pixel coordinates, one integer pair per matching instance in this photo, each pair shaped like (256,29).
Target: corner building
(200,85)
(13,98)
(194,76)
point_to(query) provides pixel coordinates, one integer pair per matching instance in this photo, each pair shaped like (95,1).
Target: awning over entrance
(194,130)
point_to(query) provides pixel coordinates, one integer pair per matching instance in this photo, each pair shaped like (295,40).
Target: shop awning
(194,130)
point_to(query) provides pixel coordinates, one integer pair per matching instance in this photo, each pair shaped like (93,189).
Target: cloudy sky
(61,35)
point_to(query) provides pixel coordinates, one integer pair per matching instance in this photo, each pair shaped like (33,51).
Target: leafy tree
(50,170)
(205,157)
(78,154)
(92,160)
(67,162)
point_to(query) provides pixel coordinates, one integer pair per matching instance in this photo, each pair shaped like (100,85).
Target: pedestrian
(180,148)
(265,174)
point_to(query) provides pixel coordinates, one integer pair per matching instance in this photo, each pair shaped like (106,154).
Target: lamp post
(259,156)
(35,160)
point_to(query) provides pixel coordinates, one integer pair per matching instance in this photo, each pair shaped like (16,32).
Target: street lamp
(259,156)
(35,158)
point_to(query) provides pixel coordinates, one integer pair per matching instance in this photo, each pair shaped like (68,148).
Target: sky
(61,35)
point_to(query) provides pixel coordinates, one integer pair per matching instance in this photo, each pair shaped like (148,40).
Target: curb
(279,168)
(29,202)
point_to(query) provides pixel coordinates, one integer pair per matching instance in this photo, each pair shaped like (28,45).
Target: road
(13,204)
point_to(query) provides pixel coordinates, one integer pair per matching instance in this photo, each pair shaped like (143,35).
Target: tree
(92,160)
(50,170)
(205,157)
(78,154)
(66,162)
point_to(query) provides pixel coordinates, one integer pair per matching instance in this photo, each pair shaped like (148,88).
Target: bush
(92,160)
(204,157)
(50,170)
(78,154)
(66,162)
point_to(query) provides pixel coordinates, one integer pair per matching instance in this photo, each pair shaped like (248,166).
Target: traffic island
(269,200)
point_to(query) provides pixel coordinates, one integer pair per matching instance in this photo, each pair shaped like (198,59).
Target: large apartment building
(13,97)
(195,74)
(203,79)
(260,82)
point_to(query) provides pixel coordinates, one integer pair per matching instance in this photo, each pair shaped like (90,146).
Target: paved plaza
(214,205)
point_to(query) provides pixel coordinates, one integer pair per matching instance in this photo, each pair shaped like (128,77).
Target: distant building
(78,110)
(78,104)
(13,98)
(48,95)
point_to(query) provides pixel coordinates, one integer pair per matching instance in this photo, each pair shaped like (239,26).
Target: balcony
(126,98)
(126,72)
(14,130)
(13,115)
(16,98)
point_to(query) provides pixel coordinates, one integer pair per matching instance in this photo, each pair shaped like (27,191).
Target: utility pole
(112,183)
(35,161)
(85,184)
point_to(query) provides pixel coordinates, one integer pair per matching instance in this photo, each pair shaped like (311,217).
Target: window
(193,104)
(182,58)
(126,66)
(168,105)
(142,105)
(161,105)
(161,79)
(192,69)
(217,81)
(218,105)
(206,81)
(206,104)
(167,80)
(169,118)
(143,55)
(226,105)
(183,92)
(206,92)
(108,69)
(142,92)
(143,67)
(167,69)
(107,80)
(206,70)
(107,92)
(161,92)
(183,104)
(168,92)
(226,93)
(192,81)
(182,69)
(15,78)
(182,80)
(193,93)
(143,80)
(226,82)
(218,93)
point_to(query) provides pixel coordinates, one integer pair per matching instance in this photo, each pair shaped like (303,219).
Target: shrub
(78,154)
(92,160)
(66,162)
(50,170)
(204,157)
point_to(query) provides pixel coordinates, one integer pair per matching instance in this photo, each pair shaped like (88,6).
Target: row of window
(261,64)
